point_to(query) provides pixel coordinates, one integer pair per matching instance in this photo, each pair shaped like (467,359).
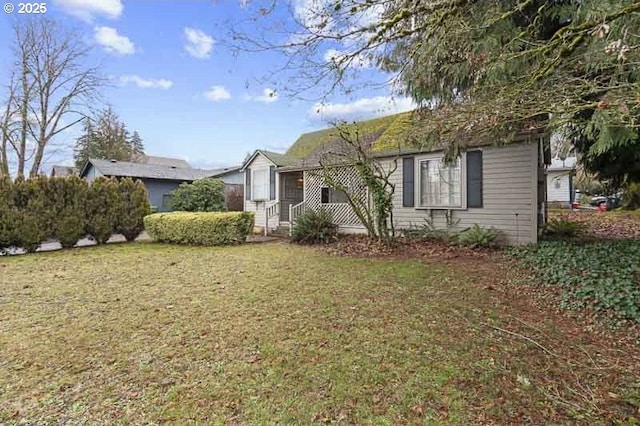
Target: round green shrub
(203,195)
(314,227)
(200,228)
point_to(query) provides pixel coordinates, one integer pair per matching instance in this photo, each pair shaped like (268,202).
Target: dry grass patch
(274,333)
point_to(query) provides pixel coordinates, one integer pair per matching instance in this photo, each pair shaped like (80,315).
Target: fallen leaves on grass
(606,225)
(403,248)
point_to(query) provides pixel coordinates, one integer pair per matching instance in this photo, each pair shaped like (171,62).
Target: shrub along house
(493,186)
(160,175)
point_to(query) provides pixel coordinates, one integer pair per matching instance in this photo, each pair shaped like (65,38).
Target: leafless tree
(51,88)
(371,199)
(8,130)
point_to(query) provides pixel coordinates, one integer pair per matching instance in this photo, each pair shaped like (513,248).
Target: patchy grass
(274,333)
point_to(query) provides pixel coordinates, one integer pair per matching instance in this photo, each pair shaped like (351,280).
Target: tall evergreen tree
(137,146)
(482,69)
(107,137)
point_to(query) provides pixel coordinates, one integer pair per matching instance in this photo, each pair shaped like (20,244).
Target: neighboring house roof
(557,164)
(162,161)
(61,171)
(222,172)
(149,171)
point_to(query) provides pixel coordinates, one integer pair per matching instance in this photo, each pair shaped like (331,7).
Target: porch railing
(295,211)
(270,211)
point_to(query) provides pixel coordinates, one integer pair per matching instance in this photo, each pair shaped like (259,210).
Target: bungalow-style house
(560,188)
(493,186)
(160,175)
(63,171)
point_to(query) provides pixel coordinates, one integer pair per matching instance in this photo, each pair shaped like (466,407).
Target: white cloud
(361,109)
(146,83)
(340,59)
(197,43)
(217,93)
(88,9)
(268,96)
(113,42)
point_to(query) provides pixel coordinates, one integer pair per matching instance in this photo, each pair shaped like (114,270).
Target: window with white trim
(440,183)
(260,184)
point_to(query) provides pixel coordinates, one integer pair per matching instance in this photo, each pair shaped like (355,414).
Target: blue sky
(189,96)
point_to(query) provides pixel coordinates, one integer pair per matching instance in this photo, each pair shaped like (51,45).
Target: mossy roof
(385,133)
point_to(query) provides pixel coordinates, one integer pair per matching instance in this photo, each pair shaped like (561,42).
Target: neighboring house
(493,186)
(159,177)
(162,161)
(560,186)
(63,171)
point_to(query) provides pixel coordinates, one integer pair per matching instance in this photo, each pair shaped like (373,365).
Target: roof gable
(277,159)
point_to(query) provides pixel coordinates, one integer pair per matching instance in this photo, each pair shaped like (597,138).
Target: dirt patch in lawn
(358,246)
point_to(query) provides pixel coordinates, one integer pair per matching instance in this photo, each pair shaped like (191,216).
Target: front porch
(288,205)
(297,191)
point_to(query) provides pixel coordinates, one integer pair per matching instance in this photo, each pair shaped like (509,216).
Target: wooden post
(290,219)
(266,219)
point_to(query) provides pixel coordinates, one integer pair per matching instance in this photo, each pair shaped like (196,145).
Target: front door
(291,192)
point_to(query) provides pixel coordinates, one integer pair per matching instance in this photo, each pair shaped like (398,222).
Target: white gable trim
(253,157)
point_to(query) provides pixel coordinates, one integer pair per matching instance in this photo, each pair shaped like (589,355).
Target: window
(332,196)
(260,184)
(440,184)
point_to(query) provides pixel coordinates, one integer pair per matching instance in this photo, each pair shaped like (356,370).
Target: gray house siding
(509,195)
(158,191)
(509,191)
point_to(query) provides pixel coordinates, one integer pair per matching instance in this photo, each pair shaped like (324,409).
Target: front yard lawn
(275,333)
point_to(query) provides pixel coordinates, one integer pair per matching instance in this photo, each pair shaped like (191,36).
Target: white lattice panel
(342,212)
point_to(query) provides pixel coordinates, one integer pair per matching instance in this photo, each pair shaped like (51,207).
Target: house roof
(383,132)
(163,161)
(60,171)
(278,160)
(385,136)
(150,171)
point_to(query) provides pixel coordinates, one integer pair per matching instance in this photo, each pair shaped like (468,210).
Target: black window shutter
(247,184)
(474,179)
(408,186)
(272,182)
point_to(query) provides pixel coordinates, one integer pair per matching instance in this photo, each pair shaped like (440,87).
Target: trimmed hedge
(200,228)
